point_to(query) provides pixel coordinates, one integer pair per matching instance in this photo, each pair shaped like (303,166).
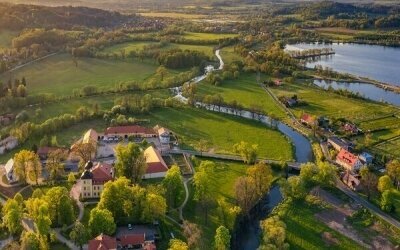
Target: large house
(7,144)
(352,181)
(127,241)
(348,160)
(127,131)
(9,168)
(103,242)
(93,179)
(163,134)
(156,166)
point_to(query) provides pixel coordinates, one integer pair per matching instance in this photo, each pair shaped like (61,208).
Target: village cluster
(100,170)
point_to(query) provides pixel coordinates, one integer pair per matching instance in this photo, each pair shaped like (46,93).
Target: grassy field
(228,55)
(222,131)
(59,75)
(223,180)
(172,15)
(133,46)
(304,230)
(207,36)
(246,91)
(6,37)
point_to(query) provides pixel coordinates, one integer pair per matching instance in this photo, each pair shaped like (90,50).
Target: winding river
(248,238)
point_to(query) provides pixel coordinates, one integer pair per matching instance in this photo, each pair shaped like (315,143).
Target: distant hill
(30,16)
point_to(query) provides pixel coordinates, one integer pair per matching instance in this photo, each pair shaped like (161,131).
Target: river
(372,61)
(249,236)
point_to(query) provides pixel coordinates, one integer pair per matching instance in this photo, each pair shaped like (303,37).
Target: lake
(372,61)
(366,90)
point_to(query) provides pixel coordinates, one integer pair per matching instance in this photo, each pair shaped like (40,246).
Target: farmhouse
(308,119)
(126,131)
(163,134)
(7,144)
(93,179)
(9,168)
(278,82)
(348,160)
(156,166)
(338,144)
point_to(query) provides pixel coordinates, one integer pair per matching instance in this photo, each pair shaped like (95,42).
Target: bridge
(292,165)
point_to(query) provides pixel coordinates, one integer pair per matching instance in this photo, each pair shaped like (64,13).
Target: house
(7,144)
(350,128)
(338,144)
(126,131)
(9,168)
(163,134)
(351,180)
(136,241)
(93,179)
(156,166)
(103,242)
(278,82)
(348,160)
(308,119)
(44,152)
(366,158)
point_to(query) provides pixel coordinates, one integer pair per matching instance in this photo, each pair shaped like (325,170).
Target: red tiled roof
(101,173)
(307,118)
(347,157)
(154,160)
(132,239)
(103,242)
(129,130)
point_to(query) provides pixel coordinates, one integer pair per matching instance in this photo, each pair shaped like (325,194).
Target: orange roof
(307,118)
(135,129)
(103,242)
(101,173)
(132,239)
(347,157)
(154,160)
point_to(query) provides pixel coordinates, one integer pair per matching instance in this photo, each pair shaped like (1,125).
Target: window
(84,188)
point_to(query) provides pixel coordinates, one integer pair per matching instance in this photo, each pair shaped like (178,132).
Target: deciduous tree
(192,233)
(245,193)
(384,183)
(393,170)
(222,239)
(273,234)
(246,151)
(101,221)
(79,234)
(173,184)
(175,244)
(130,162)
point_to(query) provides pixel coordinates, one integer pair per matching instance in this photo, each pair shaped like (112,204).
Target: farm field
(207,36)
(246,91)
(223,181)
(133,46)
(304,230)
(191,125)
(172,15)
(59,75)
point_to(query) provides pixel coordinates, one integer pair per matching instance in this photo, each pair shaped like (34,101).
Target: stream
(248,237)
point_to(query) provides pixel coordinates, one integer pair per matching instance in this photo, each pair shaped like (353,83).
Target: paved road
(375,210)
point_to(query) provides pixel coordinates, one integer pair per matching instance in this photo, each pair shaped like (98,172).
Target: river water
(372,61)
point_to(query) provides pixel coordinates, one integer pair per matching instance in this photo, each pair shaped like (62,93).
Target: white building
(9,168)
(163,134)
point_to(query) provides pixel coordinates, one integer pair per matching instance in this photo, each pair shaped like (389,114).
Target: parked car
(130,227)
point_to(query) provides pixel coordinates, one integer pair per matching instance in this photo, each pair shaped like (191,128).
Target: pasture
(207,36)
(59,74)
(6,37)
(245,91)
(175,15)
(221,132)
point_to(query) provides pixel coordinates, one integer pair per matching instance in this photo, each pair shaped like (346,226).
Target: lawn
(223,181)
(207,36)
(246,91)
(304,231)
(133,46)
(59,75)
(222,131)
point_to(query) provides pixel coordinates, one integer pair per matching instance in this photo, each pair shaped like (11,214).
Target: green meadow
(207,36)
(6,37)
(59,75)
(245,91)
